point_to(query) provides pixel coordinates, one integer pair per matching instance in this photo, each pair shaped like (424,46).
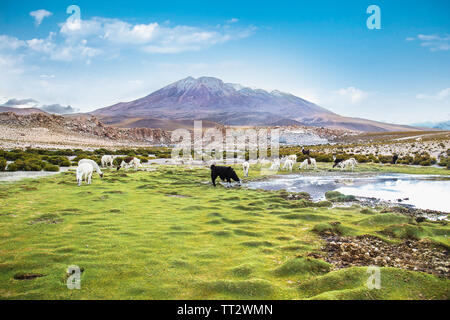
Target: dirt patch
(48,218)
(367,250)
(28,276)
(28,188)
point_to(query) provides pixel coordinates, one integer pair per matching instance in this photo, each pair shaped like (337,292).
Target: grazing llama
(348,163)
(293,157)
(308,162)
(130,162)
(288,165)
(107,161)
(263,161)
(336,161)
(84,172)
(394,159)
(93,164)
(275,165)
(245,167)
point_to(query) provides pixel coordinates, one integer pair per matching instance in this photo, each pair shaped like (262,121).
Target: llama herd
(86,167)
(287,163)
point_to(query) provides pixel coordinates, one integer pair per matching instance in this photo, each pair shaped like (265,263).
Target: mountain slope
(211,99)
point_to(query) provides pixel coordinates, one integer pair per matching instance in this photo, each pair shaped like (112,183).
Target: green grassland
(168,234)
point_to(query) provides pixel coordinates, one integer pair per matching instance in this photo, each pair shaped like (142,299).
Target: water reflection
(421,191)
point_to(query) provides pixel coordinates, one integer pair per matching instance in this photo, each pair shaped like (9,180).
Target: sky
(63,59)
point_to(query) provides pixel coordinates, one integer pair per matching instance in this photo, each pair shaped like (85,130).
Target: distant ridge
(21,111)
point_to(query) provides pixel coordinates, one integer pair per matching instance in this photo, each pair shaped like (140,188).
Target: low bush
(32,164)
(335,196)
(59,161)
(2,164)
(50,167)
(12,167)
(322,157)
(362,158)
(385,159)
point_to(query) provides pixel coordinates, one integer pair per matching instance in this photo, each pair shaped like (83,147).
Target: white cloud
(39,15)
(433,41)
(63,51)
(79,39)
(151,37)
(11,65)
(47,76)
(12,43)
(233,20)
(441,95)
(352,94)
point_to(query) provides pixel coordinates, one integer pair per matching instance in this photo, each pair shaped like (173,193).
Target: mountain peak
(190,83)
(209,98)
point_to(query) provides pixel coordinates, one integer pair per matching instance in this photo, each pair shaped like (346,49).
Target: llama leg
(213,178)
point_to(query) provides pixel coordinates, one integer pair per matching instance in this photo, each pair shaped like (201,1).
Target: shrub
(32,165)
(322,157)
(405,160)
(51,167)
(2,164)
(13,156)
(443,162)
(143,159)
(58,160)
(79,157)
(102,151)
(335,196)
(12,167)
(362,158)
(385,159)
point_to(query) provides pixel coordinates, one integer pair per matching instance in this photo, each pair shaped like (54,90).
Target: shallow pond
(19,175)
(420,191)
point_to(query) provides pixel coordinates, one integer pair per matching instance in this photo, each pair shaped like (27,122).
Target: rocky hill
(46,126)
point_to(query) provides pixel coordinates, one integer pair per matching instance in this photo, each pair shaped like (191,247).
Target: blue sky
(319,50)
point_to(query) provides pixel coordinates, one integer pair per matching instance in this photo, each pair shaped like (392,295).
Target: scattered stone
(367,250)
